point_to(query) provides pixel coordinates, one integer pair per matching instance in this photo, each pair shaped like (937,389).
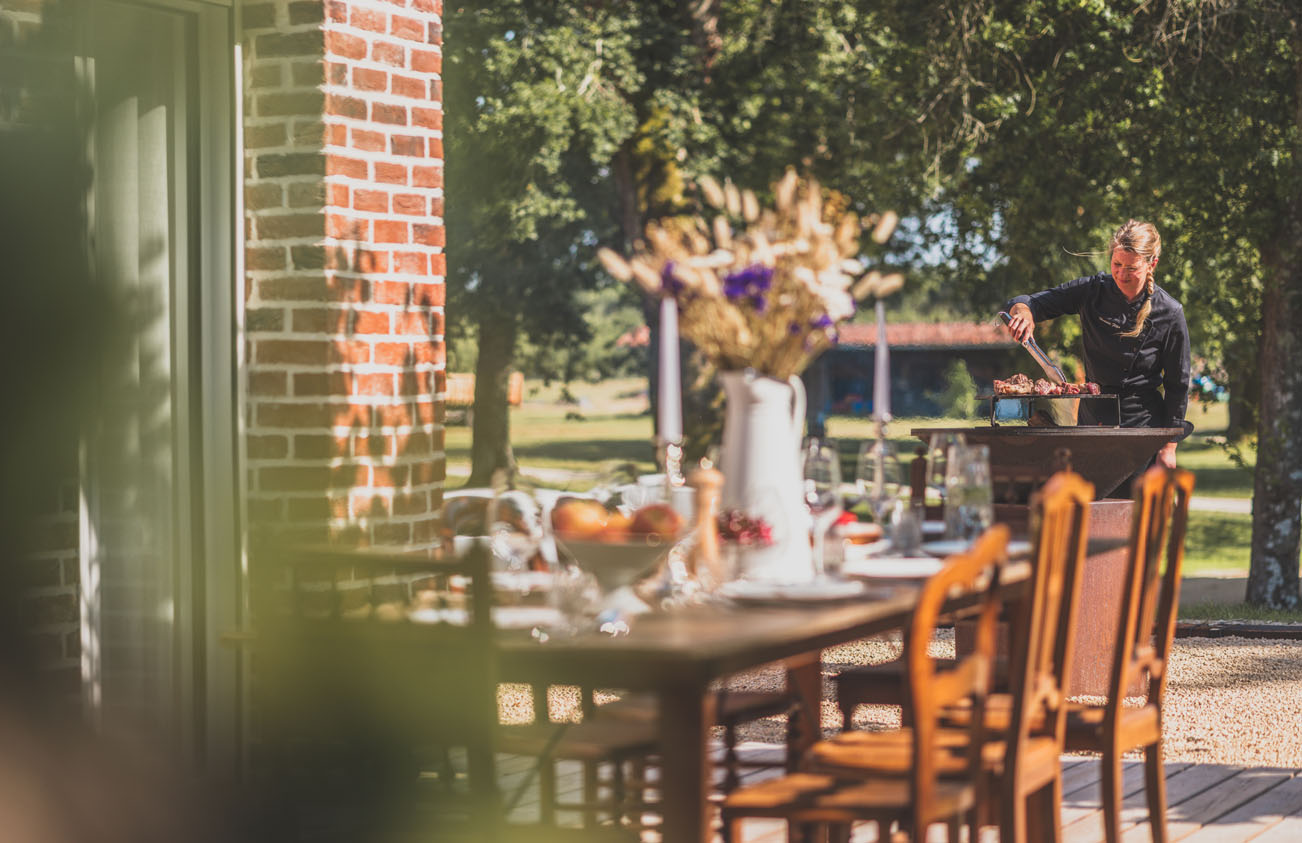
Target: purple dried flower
(670,281)
(749,281)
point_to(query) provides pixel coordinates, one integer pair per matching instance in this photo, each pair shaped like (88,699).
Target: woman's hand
(1166,456)
(1020,322)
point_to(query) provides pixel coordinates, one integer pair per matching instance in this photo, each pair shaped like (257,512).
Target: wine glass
(938,449)
(879,477)
(822,494)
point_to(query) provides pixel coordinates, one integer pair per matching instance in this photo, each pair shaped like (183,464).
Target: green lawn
(1237,612)
(611,424)
(1217,542)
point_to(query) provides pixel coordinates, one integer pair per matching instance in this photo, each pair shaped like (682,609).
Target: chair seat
(891,753)
(811,797)
(859,754)
(592,740)
(1139,726)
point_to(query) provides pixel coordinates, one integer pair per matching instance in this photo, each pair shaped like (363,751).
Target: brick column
(345,268)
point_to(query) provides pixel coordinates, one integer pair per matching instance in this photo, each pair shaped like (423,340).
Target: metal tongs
(1050,368)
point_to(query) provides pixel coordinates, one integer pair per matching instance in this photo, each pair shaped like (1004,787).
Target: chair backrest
(365,661)
(975,573)
(1152,591)
(1040,668)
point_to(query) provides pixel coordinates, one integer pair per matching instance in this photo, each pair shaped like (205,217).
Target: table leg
(686,715)
(804,726)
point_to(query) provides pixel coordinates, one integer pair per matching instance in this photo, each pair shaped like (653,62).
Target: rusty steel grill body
(1022,458)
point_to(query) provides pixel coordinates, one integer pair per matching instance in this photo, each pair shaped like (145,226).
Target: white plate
(747,591)
(1017,549)
(933,528)
(948,547)
(892,567)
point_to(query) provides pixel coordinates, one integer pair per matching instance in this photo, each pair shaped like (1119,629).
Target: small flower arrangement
(760,288)
(739,528)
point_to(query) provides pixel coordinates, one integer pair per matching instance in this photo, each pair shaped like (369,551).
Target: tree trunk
(490,438)
(1277,486)
(1244,386)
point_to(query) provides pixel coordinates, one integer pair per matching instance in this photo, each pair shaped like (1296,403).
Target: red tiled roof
(928,335)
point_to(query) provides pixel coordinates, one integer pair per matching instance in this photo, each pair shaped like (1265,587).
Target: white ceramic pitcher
(762,475)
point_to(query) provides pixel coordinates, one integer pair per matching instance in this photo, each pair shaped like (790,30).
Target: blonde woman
(1135,337)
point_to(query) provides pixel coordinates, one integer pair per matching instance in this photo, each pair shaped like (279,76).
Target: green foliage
(612,315)
(958,399)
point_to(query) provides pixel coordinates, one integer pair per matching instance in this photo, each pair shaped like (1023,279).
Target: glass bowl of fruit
(616,547)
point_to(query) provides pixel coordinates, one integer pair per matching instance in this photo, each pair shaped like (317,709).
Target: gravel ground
(1228,700)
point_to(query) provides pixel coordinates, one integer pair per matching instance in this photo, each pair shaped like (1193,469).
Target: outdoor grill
(1022,458)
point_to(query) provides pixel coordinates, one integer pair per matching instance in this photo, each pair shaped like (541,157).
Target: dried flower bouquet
(760,288)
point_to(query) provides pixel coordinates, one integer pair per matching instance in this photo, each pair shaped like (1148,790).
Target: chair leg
(618,794)
(1042,814)
(547,792)
(1155,790)
(731,778)
(1111,785)
(590,794)
(1012,817)
(847,715)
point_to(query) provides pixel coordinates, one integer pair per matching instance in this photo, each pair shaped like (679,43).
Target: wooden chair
(929,774)
(1145,630)
(1030,771)
(1026,725)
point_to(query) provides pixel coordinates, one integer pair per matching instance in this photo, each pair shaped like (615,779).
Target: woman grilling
(1136,340)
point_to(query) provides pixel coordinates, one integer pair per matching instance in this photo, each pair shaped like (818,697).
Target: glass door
(155,489)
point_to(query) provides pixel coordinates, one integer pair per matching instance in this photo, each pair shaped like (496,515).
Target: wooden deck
(1206,803)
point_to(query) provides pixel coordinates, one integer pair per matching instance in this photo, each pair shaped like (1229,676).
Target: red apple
(656,519)
(579,518)
(617,527)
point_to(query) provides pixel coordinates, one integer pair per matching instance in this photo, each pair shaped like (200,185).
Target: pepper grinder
(708,485)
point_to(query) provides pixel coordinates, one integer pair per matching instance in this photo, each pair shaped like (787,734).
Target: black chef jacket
(1150,372)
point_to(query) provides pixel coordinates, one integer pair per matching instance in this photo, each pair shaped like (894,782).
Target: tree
(1187,113)
(571,124)
(531,118)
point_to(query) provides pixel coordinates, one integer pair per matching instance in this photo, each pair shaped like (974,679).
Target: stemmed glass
(822,494)
(939,449)
(879,477)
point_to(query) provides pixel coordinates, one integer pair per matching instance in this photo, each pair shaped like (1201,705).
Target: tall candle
(670,396)
(882,370)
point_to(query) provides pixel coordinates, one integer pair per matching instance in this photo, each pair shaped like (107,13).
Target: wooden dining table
(677,655)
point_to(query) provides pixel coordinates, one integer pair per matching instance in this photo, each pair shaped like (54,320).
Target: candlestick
(882,370)
(669,401)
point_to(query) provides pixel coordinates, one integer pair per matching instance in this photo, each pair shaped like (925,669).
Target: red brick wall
(344,268)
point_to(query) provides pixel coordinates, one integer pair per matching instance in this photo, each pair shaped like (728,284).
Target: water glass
(879,477)
(937,460)
(905,527)
(822,493)
(969,500)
